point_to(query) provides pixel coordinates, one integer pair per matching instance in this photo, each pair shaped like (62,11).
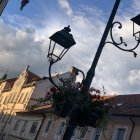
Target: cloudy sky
(24,38)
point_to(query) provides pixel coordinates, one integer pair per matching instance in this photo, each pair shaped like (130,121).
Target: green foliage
(84,109)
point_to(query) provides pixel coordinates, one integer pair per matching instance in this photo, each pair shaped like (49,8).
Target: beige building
(48,126)
(15,94)
(42,124)
(125,120)
(123,124)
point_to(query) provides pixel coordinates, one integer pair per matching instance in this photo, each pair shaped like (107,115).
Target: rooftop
(32,77)
(126,105)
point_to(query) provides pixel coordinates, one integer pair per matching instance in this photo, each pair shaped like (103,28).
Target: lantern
(136,20)
(63,40)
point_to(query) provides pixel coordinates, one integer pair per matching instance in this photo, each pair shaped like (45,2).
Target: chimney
(27,67)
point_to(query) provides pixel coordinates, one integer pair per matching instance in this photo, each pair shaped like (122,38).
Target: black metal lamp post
(109,27)
(90,74)
(64,40)
(59,38)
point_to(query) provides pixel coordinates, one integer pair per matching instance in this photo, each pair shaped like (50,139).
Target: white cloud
(136,6)
(19,48)
(65,5)
(28,44)
(134,77)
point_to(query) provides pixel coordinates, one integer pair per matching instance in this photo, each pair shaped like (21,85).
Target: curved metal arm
(82,74)
(50,76)
(121,42)
(78,70)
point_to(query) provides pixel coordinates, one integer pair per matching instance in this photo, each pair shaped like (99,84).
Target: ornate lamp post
(59,38)
(64,41)
(109,27)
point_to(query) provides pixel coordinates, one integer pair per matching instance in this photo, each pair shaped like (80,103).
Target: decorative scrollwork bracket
(121,42)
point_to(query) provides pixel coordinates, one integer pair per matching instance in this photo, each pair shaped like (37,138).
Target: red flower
(94,96)
(53,89)
(98,97)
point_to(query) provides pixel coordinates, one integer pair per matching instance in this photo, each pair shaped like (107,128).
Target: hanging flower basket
(83,109)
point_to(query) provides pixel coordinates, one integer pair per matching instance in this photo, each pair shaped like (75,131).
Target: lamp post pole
(91,72)
(65,40)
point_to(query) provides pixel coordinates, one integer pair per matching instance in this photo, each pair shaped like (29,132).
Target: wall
(43,86)
(52,131)
(14,134)
(121,122)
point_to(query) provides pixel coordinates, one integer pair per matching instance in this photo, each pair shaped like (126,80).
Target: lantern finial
(67,29)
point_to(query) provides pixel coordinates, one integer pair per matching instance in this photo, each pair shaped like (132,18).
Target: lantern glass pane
(56,51)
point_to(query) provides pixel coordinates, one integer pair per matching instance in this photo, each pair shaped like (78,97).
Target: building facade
(123,123)
(16,94)
(41,123)
(24,127)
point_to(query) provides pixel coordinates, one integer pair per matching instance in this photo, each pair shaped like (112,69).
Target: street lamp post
(64,40)
(91,73)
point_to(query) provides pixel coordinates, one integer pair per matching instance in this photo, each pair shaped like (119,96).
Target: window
(60,131)
(33,128)
(96,134)
(20,98)
(49,123)
(11,99)
(75,132)
(2,117)
(3,136)
(16,125)
(5,100)
(24,127)
(82,133)
(15,98)
(7,117)
(1,99)
(79,133)
(10,118)
(120,133)
(25,98)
